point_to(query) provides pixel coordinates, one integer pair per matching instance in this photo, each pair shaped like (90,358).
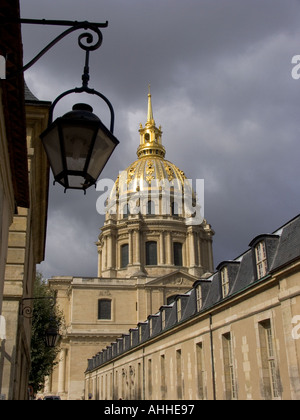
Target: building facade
(151,248)
(26,248)
(233,336)
(24,177)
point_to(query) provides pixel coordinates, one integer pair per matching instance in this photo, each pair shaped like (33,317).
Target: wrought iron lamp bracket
(27,310)
(86,41)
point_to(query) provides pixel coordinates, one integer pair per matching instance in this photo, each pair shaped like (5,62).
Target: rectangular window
(230,383)
(163,319)
(269,370)
(225,282)
(104,309)
(261,260)
(200,369)
(151,253)
(199,298)
(179,310)
(177,249)
(131,339)
(179,374)
(124,255)
(150,326)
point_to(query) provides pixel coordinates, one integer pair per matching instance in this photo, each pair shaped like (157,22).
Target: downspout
(113,381)
(143,396)
(212,357)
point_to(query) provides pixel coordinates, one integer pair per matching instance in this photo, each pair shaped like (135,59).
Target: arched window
(174,208)
(151,253)
(104,309)
(177,251)
(150,207)
(124,255)
(126,211)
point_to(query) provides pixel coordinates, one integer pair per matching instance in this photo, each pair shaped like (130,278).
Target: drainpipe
(113,381)
(143,396)
(212,357)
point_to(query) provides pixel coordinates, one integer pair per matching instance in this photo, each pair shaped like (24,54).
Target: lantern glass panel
(75,181)
(52,148)
(77,144)
(103,148)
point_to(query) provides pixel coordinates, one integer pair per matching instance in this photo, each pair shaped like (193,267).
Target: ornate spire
(150,135)
(150,119)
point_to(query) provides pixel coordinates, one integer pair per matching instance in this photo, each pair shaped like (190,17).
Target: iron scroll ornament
(88,41)
(26,309)
(91,45)
(73,26)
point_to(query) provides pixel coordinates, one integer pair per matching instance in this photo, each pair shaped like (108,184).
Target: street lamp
(51,336)
(78,144)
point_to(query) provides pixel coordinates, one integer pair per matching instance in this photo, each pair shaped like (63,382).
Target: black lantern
(52,336)
(78,146)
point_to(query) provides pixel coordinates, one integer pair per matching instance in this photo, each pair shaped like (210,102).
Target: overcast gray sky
(222,89)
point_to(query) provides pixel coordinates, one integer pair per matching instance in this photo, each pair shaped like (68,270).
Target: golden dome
(151,175)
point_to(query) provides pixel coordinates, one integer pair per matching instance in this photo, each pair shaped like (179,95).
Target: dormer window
(163,320)
(225,282)
(179,310)
(261,260)
(131,338)
(199,298)
(150,327)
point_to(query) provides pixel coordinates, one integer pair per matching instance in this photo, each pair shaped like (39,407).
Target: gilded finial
(150,118)
(150,135)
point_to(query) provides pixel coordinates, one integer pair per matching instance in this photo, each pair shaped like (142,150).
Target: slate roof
(282,248)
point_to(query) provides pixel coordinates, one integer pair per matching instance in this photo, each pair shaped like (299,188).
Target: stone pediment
(176,279)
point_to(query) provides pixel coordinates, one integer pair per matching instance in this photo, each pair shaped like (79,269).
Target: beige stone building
(24,177)
(233,336)
(153,245)
(26,248)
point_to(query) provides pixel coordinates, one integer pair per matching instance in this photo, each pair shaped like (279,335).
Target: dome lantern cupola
(150,136)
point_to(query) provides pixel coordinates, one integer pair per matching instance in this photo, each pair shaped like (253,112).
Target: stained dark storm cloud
(222,89)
